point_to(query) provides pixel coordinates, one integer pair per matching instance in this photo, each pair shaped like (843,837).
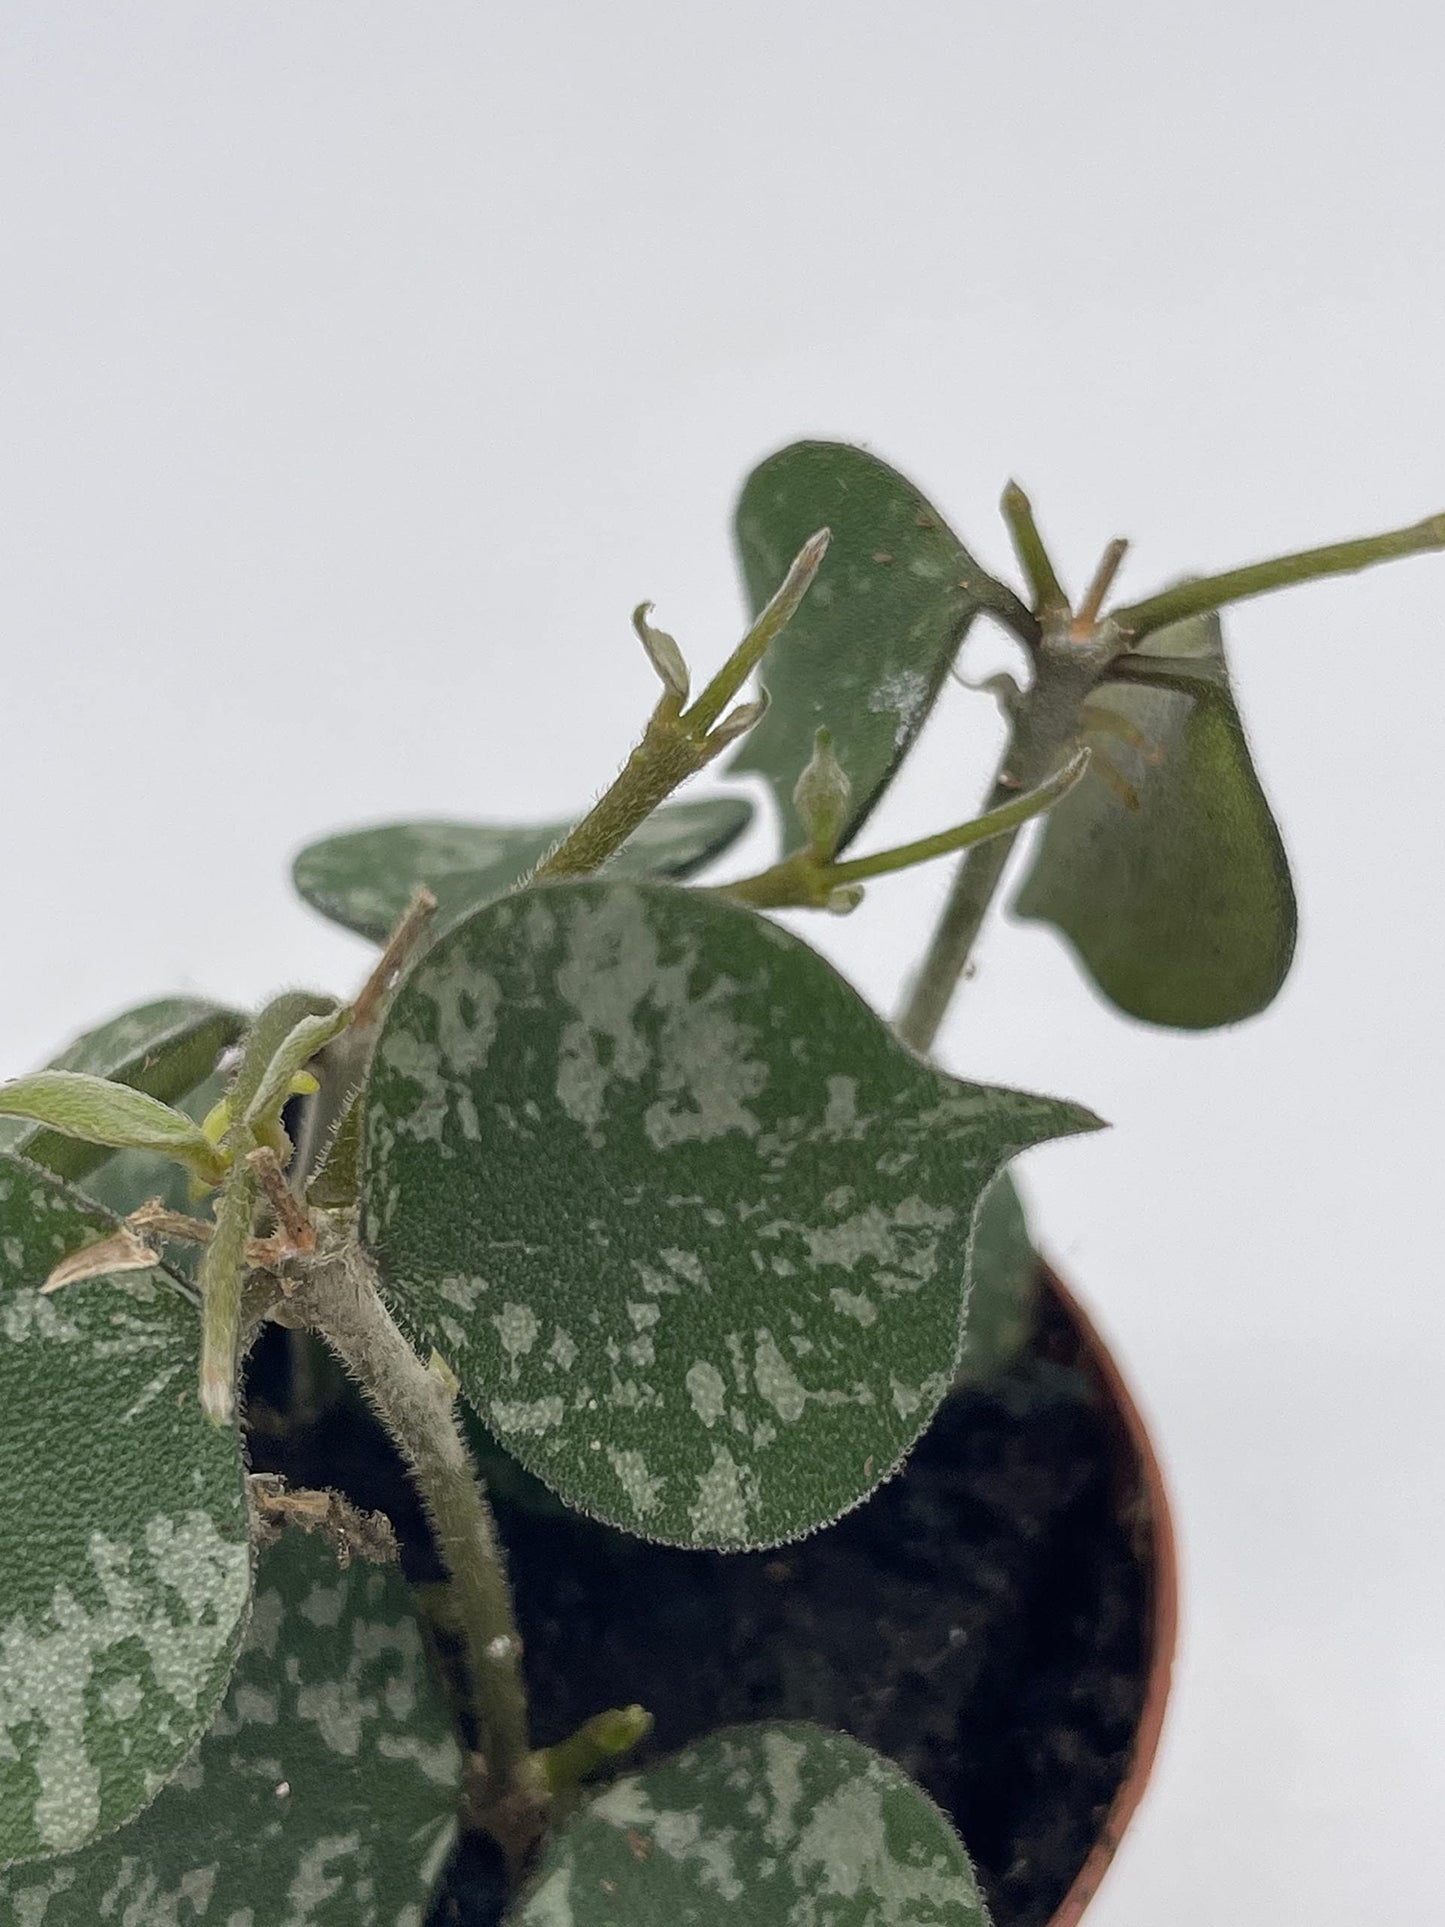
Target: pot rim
(1163,1623)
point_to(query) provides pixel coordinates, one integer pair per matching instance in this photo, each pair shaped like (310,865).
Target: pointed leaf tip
(662,652)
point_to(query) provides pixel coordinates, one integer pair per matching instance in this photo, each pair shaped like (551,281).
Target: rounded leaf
(1163,866)
(868,648)
(324,1793)
(364,880)
(124,1549)
(779,1825)
(687,1221)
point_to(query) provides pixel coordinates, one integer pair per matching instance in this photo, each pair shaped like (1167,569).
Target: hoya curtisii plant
(630,1171)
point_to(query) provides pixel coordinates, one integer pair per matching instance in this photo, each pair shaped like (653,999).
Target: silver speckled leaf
(772,1826)
(323,1796)
(1181,910)
(124,1555)
(366,878)
(873,639)
(688,1222)
(164,1049)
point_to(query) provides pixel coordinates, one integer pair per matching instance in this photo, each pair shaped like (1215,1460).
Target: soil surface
(982,1620)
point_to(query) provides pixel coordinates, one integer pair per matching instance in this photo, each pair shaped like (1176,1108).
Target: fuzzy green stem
(1047,724)
(221,1278)
(678,742)
(343,1064)
(665,758)
(972,891)
(1034,559)
(1210,592)
(774,618)
(1005,817)
(340,1300)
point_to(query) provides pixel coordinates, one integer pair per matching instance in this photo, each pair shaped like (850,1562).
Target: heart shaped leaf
(774,1825)
(873,639)
(366,879)
(324,1792)
(685,1218)
(124,1553)
(164,1049)
(1164,867)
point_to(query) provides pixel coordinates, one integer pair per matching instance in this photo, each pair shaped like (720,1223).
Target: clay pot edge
(1163,1605)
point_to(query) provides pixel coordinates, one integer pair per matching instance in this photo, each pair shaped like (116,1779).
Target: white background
(362,366)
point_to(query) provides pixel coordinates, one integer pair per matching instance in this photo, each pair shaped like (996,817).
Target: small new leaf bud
(738,722)
(843,901)
(821,796)
(604,1738)
(662,652)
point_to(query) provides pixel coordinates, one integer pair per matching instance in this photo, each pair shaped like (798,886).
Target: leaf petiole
(1207,593)
(806,881)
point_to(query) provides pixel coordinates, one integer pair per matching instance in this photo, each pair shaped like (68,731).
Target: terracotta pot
(1144,1507)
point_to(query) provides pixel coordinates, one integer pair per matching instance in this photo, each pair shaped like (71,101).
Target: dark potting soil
(982,1620)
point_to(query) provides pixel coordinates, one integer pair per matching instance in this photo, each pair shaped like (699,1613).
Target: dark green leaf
(685,1218)
(869,647)
(1003,1295)
(1181,909)
(323,1794)
(508,1483)
(124,1558)
(780,1825)
(364,880)
(164,1049)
